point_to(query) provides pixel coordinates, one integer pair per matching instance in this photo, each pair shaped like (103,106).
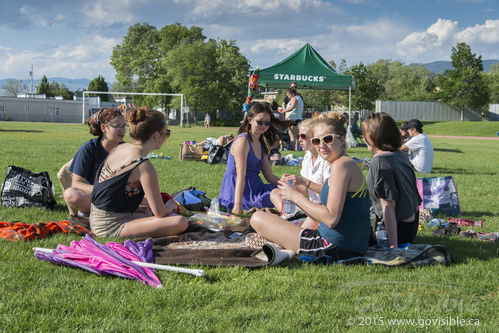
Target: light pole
(31,74)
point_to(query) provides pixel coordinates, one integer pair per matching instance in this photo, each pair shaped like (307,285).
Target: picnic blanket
(202,246)
(17,231)
(413,255)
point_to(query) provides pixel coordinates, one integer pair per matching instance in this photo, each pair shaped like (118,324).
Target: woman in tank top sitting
(338,226)
(126,177)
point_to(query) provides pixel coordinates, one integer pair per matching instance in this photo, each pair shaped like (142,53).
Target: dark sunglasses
(303,136)
(166,133)
(266,123)
(327,139)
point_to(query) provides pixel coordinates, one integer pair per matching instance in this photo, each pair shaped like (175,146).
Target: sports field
(39,296)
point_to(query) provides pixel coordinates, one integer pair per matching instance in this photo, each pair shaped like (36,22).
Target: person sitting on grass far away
(314,169)
(339,226)
(242,188)
(419,147)
(108,125)
(126,177)
(391,180)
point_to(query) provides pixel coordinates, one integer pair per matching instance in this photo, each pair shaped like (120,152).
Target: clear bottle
(288,206)
(381,236)
(433,224)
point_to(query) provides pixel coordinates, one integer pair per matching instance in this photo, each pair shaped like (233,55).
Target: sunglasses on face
(166,133)
(117,126)
(327,139)
(261,123)
(303,136)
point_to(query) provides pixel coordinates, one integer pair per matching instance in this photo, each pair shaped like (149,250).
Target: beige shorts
(109,224)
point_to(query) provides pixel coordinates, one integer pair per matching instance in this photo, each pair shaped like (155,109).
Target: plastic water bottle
(381,236)
(433,224)
(214,207)
(288,206)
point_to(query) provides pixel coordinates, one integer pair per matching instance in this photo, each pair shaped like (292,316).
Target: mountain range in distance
(79,84)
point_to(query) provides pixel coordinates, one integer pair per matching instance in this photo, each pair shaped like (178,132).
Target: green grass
(38,296)
(460,128)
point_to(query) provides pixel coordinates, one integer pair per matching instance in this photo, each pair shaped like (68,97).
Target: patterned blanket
(17,231)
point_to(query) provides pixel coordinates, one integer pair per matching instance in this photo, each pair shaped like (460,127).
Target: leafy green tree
(231,76)
(43,87)
(493,82)
(212,75)
(402,82)
(14,87)
(368,87)
(99,84)
(464,87)
(191,70)
(65,92)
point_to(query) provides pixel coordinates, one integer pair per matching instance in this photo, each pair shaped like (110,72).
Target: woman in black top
(126,177)
(391,180)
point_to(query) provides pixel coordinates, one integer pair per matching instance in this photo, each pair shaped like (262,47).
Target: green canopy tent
(309,70)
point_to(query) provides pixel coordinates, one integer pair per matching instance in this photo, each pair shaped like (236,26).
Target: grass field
(38,296)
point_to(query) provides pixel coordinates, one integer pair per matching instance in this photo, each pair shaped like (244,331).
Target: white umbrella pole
(195,272)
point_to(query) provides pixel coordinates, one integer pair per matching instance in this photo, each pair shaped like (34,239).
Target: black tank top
(111,194)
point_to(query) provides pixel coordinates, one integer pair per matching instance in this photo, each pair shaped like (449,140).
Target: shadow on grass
(476,215)
(462,249)
(20,130)
(448,150)
(460,171)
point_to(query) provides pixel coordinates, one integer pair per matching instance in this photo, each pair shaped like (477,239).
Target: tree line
(213,75)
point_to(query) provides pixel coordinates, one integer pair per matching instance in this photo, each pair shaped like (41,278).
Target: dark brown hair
(291,91)
(144,122)
(102,117)
(334,120)
(382,131)
(273,134)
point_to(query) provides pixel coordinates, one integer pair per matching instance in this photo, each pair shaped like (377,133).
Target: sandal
(254,240)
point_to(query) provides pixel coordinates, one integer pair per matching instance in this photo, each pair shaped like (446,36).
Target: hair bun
(135,116)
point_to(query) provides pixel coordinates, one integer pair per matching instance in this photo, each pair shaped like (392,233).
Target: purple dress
(256,193)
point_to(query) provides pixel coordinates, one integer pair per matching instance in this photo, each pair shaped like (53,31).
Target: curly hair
(144,122)
(102,117)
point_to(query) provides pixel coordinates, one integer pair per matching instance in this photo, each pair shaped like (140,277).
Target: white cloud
(34,17)
(380,29)
(434,40)
(437,40)
(484,33)
(107,12)
(87,58)
(205,8)
(276,46)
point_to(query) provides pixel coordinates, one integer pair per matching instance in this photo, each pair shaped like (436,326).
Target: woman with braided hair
(126,177)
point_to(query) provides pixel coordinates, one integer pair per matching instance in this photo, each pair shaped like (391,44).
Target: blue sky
(75,39)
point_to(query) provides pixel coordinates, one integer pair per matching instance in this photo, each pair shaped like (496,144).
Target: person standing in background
(207,120)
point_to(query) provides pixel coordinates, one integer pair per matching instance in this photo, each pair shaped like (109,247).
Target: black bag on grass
(218,154)
(23,188)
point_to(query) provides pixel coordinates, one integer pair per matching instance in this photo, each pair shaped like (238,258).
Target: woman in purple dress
(242,187)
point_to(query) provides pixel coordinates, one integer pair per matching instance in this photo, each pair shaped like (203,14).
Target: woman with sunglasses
(314,169)
(343,226)
(108,125)
(242,188)
(391,180)
(126,177)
